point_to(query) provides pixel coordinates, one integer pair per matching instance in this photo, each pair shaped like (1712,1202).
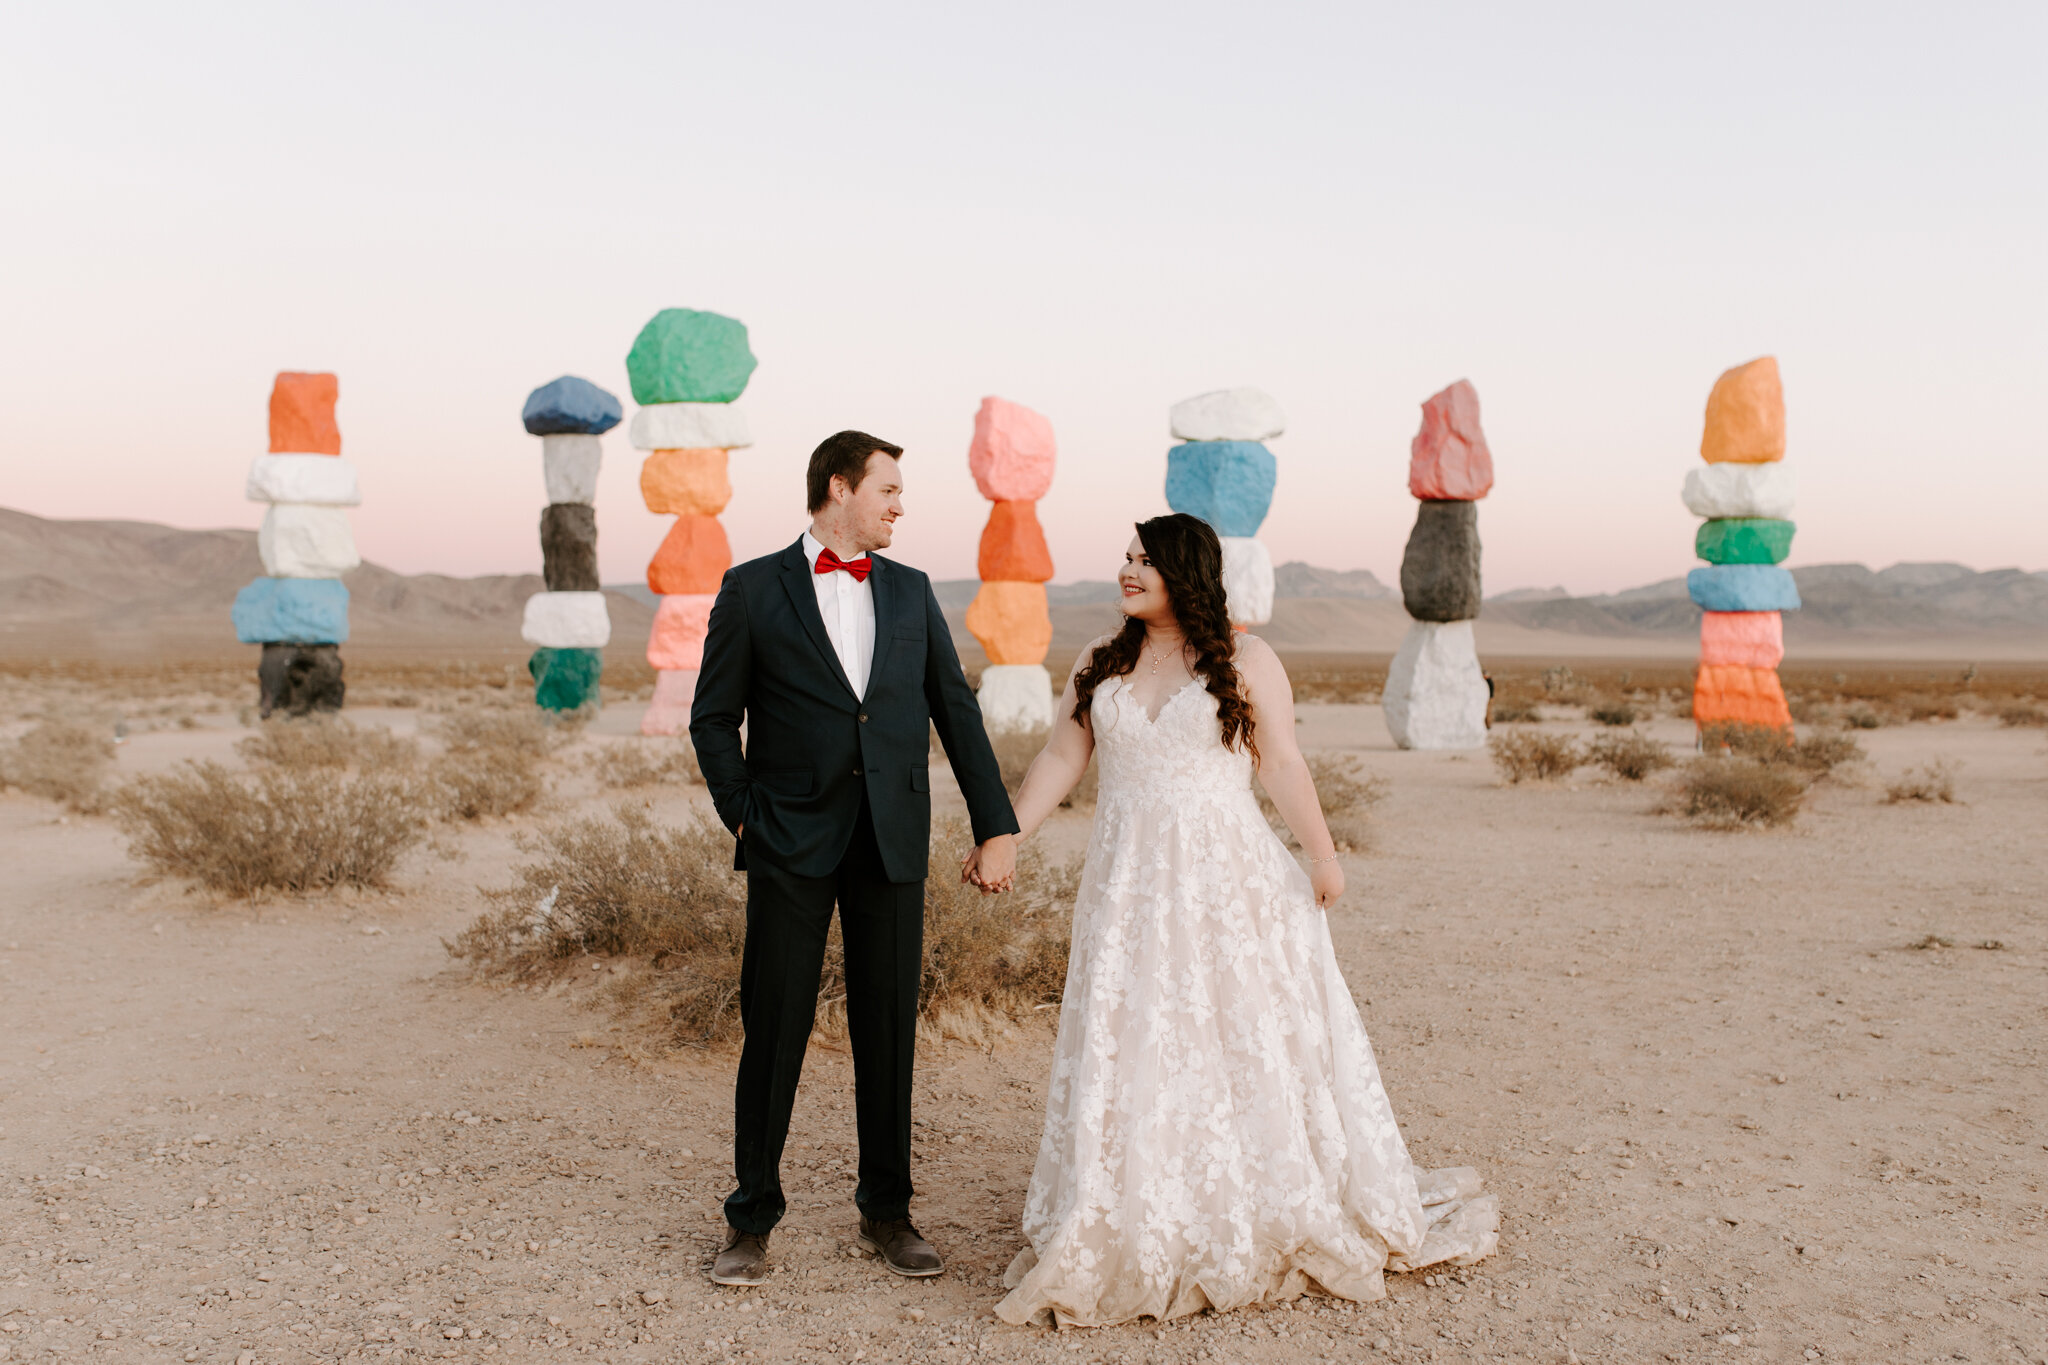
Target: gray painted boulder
(568,547)
(299,679)
(1440,571)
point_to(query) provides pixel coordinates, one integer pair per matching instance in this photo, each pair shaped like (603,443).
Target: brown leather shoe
(900,1247)
(744,1259)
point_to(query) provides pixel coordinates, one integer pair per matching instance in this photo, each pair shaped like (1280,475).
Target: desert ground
(1769,1095)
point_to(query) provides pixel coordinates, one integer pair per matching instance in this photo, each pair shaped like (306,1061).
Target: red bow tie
(831,563)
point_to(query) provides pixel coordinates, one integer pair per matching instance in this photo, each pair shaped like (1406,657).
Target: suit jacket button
(863,718)
(856,772)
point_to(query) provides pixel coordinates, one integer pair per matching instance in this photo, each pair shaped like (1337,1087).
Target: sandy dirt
(1732,1113)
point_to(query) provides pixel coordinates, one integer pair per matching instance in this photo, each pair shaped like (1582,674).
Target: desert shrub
(1862,716)
(1347,800)
(2023,715)
(1731,793)
(1821,754)
(1526,755)
(628,887)
(276,828)
(64,760)
(1931,782)
(1514,712)
(490,762)
(1919,706)
(1612,713)
(325,742)
(1765,743)
(1633,756)
(644,764)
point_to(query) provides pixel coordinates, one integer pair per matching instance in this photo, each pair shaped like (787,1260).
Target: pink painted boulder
(680,624)
(1012,454)
(669,712)
(1746,639)
(1448,460)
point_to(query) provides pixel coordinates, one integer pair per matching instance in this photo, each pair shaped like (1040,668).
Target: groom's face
(872,508)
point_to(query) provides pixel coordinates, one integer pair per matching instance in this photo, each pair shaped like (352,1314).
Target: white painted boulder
(569,463)
(1436,696)
(1016,697)
(1741,490)
(301,541)
(566,620)
(318,480)
(1228,415)
(1247,580)
(689,426)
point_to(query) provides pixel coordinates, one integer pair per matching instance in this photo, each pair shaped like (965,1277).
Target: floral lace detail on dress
(1216,1132)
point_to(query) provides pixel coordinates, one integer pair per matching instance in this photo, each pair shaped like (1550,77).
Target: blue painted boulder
(571,406)
(1228,484)
(300,611)
(1743,587)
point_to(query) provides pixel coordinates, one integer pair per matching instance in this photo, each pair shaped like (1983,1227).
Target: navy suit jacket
(812,747)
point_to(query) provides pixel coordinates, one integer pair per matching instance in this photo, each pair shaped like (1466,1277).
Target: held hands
(992,866)
(1327,881)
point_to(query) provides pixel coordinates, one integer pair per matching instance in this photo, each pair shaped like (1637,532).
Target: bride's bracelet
(1318,862)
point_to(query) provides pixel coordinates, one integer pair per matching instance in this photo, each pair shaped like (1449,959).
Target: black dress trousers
(881,924)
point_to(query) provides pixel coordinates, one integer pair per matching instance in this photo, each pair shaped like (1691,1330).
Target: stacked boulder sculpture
(1436,695)
(686,369)
(568,623)
(1223,473)
(298,611)
(1011,458)
(1746,494)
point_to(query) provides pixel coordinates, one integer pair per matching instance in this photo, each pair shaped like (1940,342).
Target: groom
(840,664)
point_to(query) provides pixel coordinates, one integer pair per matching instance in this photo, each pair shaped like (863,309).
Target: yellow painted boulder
(1746,416)
(1012,622)
(686,483)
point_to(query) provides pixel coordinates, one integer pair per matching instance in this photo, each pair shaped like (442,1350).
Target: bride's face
(1144,591)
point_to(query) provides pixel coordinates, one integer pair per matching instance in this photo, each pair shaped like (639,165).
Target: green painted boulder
(683,356)
(566,679)
(1744,540)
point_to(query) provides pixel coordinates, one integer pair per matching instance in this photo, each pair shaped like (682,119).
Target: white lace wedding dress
(1215,1132)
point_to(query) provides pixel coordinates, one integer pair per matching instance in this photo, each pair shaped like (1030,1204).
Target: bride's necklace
(1160,655)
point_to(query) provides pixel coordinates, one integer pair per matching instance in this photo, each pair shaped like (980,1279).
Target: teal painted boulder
(1743,587)
(292,611)
(566,679)
(1228,484)
(683,356)
(1744,540)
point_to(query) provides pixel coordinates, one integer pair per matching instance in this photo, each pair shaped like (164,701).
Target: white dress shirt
(849,611)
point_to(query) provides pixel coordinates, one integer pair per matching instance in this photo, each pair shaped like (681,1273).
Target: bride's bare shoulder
(1257,662)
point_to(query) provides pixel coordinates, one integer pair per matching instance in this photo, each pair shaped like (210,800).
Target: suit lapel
(803,595)
(882,579)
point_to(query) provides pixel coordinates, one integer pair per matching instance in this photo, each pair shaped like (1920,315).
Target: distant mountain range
(115,587)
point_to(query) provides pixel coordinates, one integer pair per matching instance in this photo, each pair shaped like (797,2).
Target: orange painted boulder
(302,414)
(1746,416)
(1725,693)
(1013,548)
(686,483)
(1012,622)
(680,624)
(693,557)
(1013,451)
(1743,639)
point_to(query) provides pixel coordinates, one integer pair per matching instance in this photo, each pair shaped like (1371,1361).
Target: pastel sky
(1095,209)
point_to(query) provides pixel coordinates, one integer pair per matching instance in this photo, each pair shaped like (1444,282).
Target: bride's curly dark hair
(1189,557)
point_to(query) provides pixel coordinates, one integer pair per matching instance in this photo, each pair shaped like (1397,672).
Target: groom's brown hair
(844,453)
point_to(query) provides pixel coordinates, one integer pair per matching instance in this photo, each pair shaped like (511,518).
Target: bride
(1216,1133)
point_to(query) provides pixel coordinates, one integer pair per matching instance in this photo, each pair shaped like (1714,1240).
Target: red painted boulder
(1013,548)
(680,625)
(302,414)
(692,559)
(1744,639)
